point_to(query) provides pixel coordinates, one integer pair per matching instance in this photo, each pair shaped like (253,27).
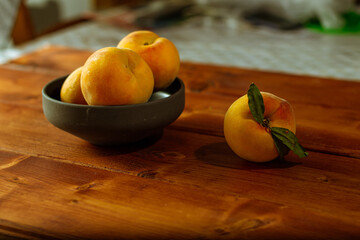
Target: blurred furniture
(106,4)
(24,30)
(187,184)
(8,12)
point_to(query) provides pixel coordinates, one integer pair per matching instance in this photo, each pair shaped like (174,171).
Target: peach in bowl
(116,124)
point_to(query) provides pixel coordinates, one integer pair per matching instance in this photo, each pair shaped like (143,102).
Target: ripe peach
(160,53)
(116,76)
(250,140)
(71,91)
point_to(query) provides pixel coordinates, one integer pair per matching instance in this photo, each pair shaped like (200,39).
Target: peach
(116,76)
(71,91)
(160,53)
(249,139)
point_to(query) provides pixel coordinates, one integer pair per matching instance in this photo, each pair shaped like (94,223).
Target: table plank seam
(310,149)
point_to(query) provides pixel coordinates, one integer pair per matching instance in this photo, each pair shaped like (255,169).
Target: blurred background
(319,38)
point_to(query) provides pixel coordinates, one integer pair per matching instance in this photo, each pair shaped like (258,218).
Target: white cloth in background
(296,11)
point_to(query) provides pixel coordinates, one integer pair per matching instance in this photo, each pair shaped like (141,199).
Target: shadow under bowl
(114,125)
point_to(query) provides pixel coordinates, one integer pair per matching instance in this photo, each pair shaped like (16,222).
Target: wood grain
(191,153)
(107,204)
(186,183)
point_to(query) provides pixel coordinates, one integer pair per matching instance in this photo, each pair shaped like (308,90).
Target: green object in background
(352,25)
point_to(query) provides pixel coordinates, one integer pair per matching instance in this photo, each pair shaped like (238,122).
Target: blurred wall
(48,13)
(71,8)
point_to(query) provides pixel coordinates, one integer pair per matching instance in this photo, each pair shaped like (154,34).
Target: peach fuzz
(159,53)
(250,140)
(116,76)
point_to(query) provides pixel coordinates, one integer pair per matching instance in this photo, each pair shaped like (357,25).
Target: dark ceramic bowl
(114,125)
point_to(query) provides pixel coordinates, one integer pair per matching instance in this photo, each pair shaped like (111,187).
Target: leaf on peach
(289,139)
(256,103)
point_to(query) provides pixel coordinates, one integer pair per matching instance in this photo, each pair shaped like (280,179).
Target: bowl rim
(127,106)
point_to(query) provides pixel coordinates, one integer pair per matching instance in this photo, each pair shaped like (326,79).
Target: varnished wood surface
(186,183)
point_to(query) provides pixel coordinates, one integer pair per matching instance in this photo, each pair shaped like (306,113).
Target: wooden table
(188,184)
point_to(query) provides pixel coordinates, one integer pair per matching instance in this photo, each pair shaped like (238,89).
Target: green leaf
(280,146)
(287,138)
(256,103)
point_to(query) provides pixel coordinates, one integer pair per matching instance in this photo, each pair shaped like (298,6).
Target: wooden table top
(187,184)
